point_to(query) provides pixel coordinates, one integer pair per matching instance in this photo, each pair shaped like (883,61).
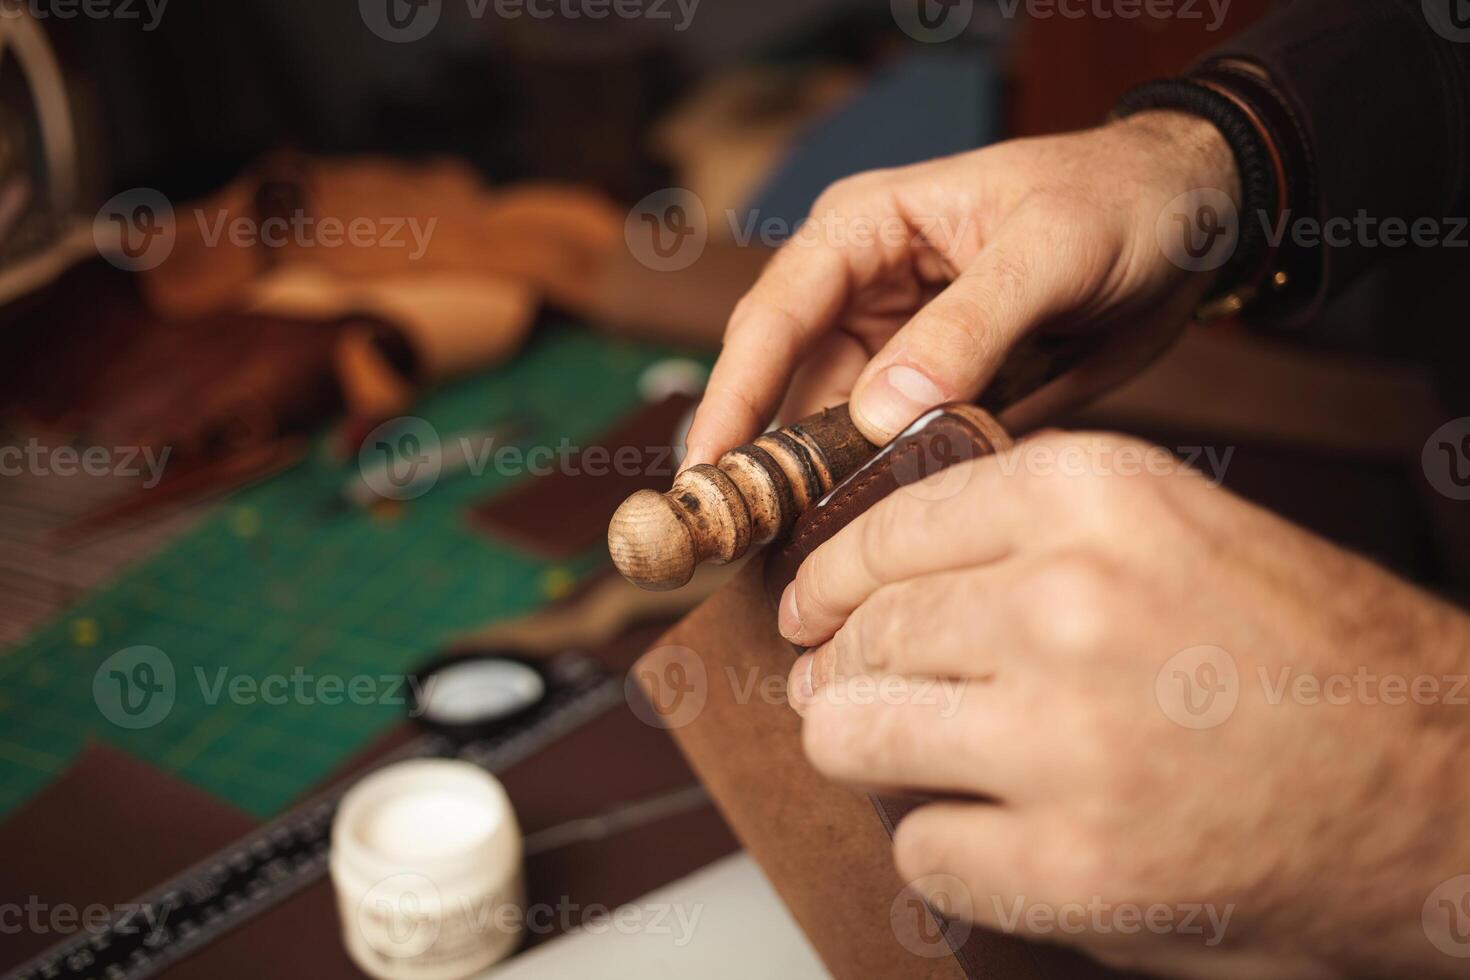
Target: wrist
(1193,149)
(1236,248)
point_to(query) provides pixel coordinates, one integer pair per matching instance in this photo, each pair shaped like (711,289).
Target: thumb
(952,347)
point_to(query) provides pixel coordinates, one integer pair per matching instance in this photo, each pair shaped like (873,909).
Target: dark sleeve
(1350,124)
(1381,92)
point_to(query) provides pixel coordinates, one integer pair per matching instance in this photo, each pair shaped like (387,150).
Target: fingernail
(788,619)
(802,691)
(897,397)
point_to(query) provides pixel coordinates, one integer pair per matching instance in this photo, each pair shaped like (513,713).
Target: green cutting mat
(269,583)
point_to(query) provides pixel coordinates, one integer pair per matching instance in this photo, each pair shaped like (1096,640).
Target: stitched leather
(943,437)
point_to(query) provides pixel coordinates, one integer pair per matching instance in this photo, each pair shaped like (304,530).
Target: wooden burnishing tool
(749,498)
(754,493)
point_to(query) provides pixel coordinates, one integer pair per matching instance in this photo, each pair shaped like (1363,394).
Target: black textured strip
(1305,267)
(1259,202)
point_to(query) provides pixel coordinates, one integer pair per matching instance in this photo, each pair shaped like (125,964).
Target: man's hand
(1156,696)
(907,287)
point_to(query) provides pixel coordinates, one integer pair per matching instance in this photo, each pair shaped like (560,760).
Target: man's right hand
(907,287)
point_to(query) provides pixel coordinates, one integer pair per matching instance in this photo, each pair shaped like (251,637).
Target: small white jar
(426,860)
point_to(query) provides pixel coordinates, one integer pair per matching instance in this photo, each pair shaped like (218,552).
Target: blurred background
(324,324)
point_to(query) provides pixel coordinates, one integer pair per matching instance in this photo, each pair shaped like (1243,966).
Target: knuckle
(849,649)
(846,191)
(955,332)
(1092,479)
(892,522)
(837,741)
(824,737)
(947,484)
(1065,605)
(1061,205)
(1011,274)
(1111,772)
(1069,231)
(764,318)
(1054,439)
(742,315)
(871,632)
(1070,862)
(1067,219)
(814,587)
(1111,440)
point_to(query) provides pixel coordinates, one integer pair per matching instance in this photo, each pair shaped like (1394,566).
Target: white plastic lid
(444,818)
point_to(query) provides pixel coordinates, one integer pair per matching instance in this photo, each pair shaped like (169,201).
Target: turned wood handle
(754,493)
(750,497)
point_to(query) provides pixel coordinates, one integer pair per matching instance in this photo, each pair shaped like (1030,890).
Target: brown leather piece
(818,843)
(105,830)
(435,218)
(89,359)
(826,849)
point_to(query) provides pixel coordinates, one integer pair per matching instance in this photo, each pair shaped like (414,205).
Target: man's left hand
(1175,730)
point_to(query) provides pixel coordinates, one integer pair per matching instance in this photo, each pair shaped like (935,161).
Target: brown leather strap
(936,441)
